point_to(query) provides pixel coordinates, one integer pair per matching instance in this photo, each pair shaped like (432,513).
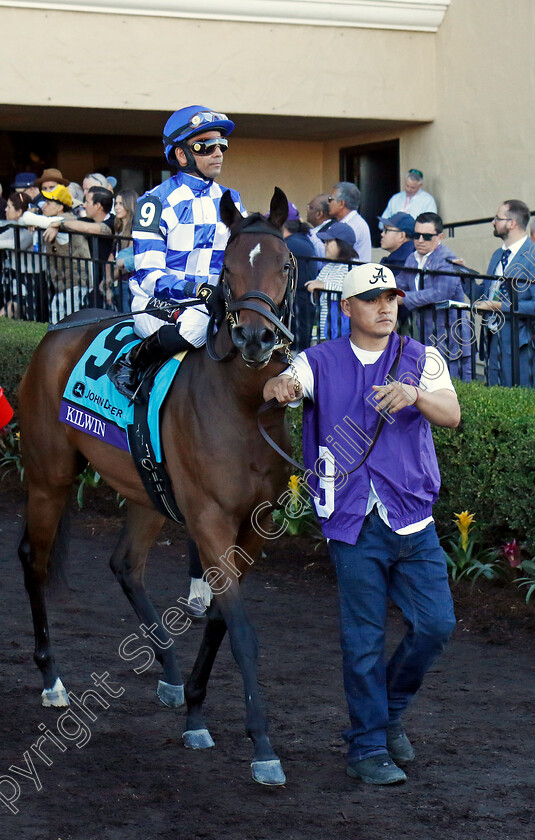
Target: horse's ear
(278,209)
(228,210)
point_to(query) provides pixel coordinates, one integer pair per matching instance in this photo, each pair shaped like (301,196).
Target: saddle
(91,404)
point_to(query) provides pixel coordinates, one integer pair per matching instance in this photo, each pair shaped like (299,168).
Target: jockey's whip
(151,310)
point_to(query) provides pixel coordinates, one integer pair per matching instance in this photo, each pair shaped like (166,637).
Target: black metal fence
(504,355)
(51,280)
(43,285)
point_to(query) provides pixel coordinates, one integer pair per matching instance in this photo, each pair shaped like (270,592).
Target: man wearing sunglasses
(179,242)
(412,199)
(447,328)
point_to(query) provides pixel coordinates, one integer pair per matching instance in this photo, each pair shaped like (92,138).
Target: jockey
(179,242)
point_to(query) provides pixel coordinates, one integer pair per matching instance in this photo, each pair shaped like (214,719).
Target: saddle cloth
(92,404)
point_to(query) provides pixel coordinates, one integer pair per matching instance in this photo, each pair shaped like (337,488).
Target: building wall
(250,68)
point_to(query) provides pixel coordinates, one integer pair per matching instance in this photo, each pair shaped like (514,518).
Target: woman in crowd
(14,293)
(339,241)
(123,254)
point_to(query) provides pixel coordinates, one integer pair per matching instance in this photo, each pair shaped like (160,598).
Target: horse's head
(258,280)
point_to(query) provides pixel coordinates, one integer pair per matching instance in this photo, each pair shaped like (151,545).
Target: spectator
(94,179)
(318,218)
(339,245)
(515,259)
(23,181)
(3,205)
(68,256)
(343,207)
(413,199)
(296,235)
(14,290)
(532,230)
(97,205)
(397,239)
(123,255)
(422,292)
(77,194)
(50,179)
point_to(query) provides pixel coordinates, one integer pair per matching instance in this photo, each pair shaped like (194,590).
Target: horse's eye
(287,267)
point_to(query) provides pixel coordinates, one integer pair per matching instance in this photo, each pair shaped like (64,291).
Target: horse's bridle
(279,316)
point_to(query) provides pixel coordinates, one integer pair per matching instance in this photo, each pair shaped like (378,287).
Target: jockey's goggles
(204,148)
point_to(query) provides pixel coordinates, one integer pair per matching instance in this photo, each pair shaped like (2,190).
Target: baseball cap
(368,281)
(59,193)
(23,179)
(338,230)
(401,221)
(112,181)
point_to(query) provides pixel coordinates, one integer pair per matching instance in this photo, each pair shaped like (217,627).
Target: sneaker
(376,770)
(196,608)
(398,745)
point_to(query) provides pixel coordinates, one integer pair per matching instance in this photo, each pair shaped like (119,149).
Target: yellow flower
(463,522)
(293,485)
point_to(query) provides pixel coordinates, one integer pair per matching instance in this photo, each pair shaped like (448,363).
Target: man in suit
(447,329)
(513,265)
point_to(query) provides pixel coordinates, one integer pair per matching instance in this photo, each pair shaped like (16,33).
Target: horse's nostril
(267,337)
(238,336)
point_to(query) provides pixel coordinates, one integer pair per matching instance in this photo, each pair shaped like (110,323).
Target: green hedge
(487,463)
(18,340)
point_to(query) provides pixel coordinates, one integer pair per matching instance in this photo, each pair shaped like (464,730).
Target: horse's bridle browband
(279,316)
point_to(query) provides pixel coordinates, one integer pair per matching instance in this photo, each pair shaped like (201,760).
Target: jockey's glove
(213,299)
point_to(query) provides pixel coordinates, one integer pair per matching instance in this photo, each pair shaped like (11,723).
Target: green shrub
(18,340)
(487,463)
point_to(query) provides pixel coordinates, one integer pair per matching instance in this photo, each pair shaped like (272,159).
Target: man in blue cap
(397,238)
(23,180)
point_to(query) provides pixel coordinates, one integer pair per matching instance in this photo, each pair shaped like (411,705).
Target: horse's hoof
(55,696)
(197,739)
(268,772)
(170,695)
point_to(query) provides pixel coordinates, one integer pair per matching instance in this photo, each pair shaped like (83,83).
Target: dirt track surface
(472,725)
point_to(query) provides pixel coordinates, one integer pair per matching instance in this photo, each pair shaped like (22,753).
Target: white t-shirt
(435,376)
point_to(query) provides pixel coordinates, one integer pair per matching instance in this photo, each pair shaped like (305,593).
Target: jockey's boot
(164,343)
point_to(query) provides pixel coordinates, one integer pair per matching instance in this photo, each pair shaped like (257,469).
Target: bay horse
(225,478)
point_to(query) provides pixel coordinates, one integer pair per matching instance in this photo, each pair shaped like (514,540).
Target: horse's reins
(273,403)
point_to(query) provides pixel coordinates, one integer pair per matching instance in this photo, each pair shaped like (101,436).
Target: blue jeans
(411,571)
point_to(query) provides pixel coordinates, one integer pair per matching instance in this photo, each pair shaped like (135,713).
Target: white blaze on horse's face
(254,253)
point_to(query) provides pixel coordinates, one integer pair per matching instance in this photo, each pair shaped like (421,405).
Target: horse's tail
(56,578)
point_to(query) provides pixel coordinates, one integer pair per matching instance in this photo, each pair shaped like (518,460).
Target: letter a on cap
(379,275)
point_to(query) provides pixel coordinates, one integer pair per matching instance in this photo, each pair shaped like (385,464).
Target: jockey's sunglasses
(427,237)
(204,148)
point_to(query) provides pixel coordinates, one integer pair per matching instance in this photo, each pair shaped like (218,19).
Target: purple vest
(341,421)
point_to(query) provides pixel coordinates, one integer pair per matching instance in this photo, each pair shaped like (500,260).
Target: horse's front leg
(196,735)
(128,564)
(223,574)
